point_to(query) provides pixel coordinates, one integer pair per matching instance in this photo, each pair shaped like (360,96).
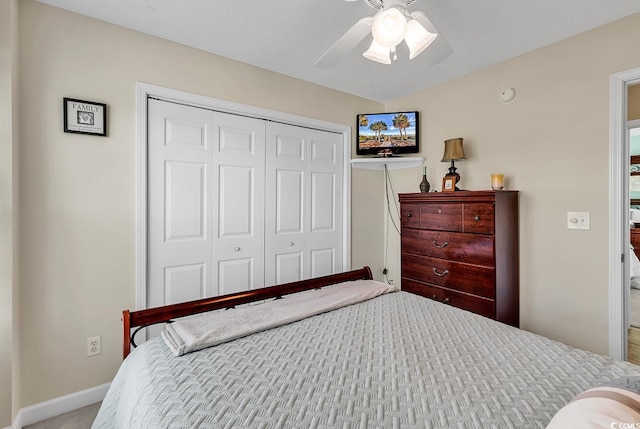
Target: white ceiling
(288,36)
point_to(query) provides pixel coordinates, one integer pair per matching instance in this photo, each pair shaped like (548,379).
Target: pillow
(615,405)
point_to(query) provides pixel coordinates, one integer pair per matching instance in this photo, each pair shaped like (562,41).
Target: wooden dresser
(461,248)
(635,240)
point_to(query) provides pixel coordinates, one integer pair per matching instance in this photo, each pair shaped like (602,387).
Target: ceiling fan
(392,24)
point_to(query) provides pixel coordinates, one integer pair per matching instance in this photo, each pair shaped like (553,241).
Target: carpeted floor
(77,419)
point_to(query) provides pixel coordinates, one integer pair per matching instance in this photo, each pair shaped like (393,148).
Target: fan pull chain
(393,51)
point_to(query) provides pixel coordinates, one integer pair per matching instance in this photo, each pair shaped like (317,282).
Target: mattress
(395,361)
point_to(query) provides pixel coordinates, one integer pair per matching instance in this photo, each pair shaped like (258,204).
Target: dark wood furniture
(151,316)
(635,240)
(461,248)
(635,162)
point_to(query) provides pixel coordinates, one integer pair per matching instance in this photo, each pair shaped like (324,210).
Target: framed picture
(449,184)
(85,117)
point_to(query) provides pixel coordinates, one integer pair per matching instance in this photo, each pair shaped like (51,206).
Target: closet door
(179,209)
(238,195)
(206,203)
(325,171)
(303,232)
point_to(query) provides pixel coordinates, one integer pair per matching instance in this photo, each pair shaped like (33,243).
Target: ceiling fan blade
(345,44)
(440,49)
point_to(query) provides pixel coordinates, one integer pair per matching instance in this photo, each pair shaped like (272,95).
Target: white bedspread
(395,361)
(214,328)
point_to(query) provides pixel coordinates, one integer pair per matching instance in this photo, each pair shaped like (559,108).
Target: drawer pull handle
(477,218)
(446,300)
(439,211)
(237,249)
(435,296)
(442,274)
(440,246)
(409,214)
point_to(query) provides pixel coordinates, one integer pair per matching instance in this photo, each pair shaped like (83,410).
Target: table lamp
(453,150)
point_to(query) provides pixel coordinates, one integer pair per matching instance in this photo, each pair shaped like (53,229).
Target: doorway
(633,139)
(619,221)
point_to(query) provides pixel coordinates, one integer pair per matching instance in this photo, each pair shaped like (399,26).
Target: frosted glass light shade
(389,27)
(418,38)
(378,53)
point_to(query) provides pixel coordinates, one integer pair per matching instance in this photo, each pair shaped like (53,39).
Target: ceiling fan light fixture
(418,38)
(389,27)
(377,53)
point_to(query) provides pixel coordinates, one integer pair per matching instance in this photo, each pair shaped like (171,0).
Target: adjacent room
(471,179)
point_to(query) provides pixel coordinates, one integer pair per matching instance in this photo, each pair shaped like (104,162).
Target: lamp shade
(418,39)
(453,150)
(389,27)
(378,53)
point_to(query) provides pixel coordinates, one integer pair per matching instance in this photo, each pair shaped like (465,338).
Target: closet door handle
(440,246)
(444,273)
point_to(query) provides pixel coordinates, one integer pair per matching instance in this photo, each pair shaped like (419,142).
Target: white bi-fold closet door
(236,203)
(303,217)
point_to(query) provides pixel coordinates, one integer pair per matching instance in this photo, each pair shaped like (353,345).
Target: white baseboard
(54,407)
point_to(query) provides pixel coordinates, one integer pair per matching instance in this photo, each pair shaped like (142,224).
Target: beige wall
(552,143)
(8,207)
(78,192)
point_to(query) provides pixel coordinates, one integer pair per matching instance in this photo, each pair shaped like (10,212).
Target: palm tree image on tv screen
(387,130)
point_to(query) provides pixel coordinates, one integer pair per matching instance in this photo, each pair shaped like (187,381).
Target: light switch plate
(579,220)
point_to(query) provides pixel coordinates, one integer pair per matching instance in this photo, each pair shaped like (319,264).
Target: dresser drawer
(482,306)
(478,218)
(441,216)
(410,215)
(467,278)
(470,248)
(635,238)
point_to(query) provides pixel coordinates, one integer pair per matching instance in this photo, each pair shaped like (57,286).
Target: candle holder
(497,182)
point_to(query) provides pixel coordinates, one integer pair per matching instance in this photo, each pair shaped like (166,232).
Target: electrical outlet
(94,346)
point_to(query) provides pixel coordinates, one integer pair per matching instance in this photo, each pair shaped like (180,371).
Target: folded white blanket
(214,328)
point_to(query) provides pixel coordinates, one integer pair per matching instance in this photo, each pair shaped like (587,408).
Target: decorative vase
(424,185)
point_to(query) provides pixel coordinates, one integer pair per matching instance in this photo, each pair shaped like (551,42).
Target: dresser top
(457,196)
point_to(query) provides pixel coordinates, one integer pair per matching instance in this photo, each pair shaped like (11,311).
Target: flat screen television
(388,134)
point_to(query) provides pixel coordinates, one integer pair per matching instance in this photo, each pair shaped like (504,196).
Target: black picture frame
(84,117)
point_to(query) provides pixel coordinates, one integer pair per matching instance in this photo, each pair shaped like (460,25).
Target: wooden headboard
(143,318)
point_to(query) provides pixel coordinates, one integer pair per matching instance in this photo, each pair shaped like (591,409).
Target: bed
(396,360)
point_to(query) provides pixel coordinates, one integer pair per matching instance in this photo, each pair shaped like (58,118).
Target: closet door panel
(323,189)
(289,202)
(286,201)
(289,267)
(235,275)
(303,203)
(324,238)
(184,283)
(238,221)
(323,262)
(179,209)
